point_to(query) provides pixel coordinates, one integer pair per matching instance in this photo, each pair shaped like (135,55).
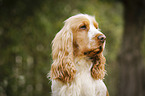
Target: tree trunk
(130,58)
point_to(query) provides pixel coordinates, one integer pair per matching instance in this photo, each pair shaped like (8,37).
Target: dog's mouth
(94,52)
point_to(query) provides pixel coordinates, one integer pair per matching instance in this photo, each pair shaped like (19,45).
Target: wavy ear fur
(98,68)
(63,67)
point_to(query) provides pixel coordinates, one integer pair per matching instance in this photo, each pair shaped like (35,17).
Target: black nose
(102,38)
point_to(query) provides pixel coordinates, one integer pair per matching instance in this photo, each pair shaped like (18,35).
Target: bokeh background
(27,28)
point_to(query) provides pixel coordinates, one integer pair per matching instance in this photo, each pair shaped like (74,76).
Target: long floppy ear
(63,67)
(98,68)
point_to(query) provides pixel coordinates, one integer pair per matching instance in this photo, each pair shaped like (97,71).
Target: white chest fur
(83,84)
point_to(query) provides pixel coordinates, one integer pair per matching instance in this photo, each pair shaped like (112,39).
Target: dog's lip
(95,51)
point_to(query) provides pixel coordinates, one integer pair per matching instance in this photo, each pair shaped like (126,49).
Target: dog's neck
(94,65)
(90,60)
(84,62)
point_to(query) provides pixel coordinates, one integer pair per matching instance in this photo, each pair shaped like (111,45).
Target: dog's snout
(102,38)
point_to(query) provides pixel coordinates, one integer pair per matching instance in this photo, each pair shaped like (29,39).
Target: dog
(78,67)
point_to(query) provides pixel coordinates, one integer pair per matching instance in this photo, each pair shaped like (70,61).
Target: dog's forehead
(90,18)
(81,17)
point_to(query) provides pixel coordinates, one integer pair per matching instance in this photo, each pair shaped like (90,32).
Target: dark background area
(27,28)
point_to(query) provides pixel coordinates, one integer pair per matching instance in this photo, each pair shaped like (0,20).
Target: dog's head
(87,38)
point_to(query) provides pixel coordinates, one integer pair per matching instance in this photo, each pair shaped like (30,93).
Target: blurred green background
(27,28)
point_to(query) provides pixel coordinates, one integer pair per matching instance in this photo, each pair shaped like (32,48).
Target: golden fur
(72,45)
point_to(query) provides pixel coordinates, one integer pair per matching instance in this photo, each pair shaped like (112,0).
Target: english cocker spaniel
(78,65)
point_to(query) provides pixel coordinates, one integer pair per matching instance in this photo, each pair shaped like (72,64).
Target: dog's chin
(92,53)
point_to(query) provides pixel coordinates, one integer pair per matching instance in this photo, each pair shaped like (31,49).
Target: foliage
(26,30)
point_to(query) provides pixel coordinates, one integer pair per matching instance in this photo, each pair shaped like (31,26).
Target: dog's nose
(102,38)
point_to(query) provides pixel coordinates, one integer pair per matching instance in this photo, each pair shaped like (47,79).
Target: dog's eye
(83,27)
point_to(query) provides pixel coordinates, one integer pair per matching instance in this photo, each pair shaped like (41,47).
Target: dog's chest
(84,81)
(88,86)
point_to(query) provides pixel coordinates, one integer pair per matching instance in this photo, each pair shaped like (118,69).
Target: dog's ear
(63,67)
(98,68)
